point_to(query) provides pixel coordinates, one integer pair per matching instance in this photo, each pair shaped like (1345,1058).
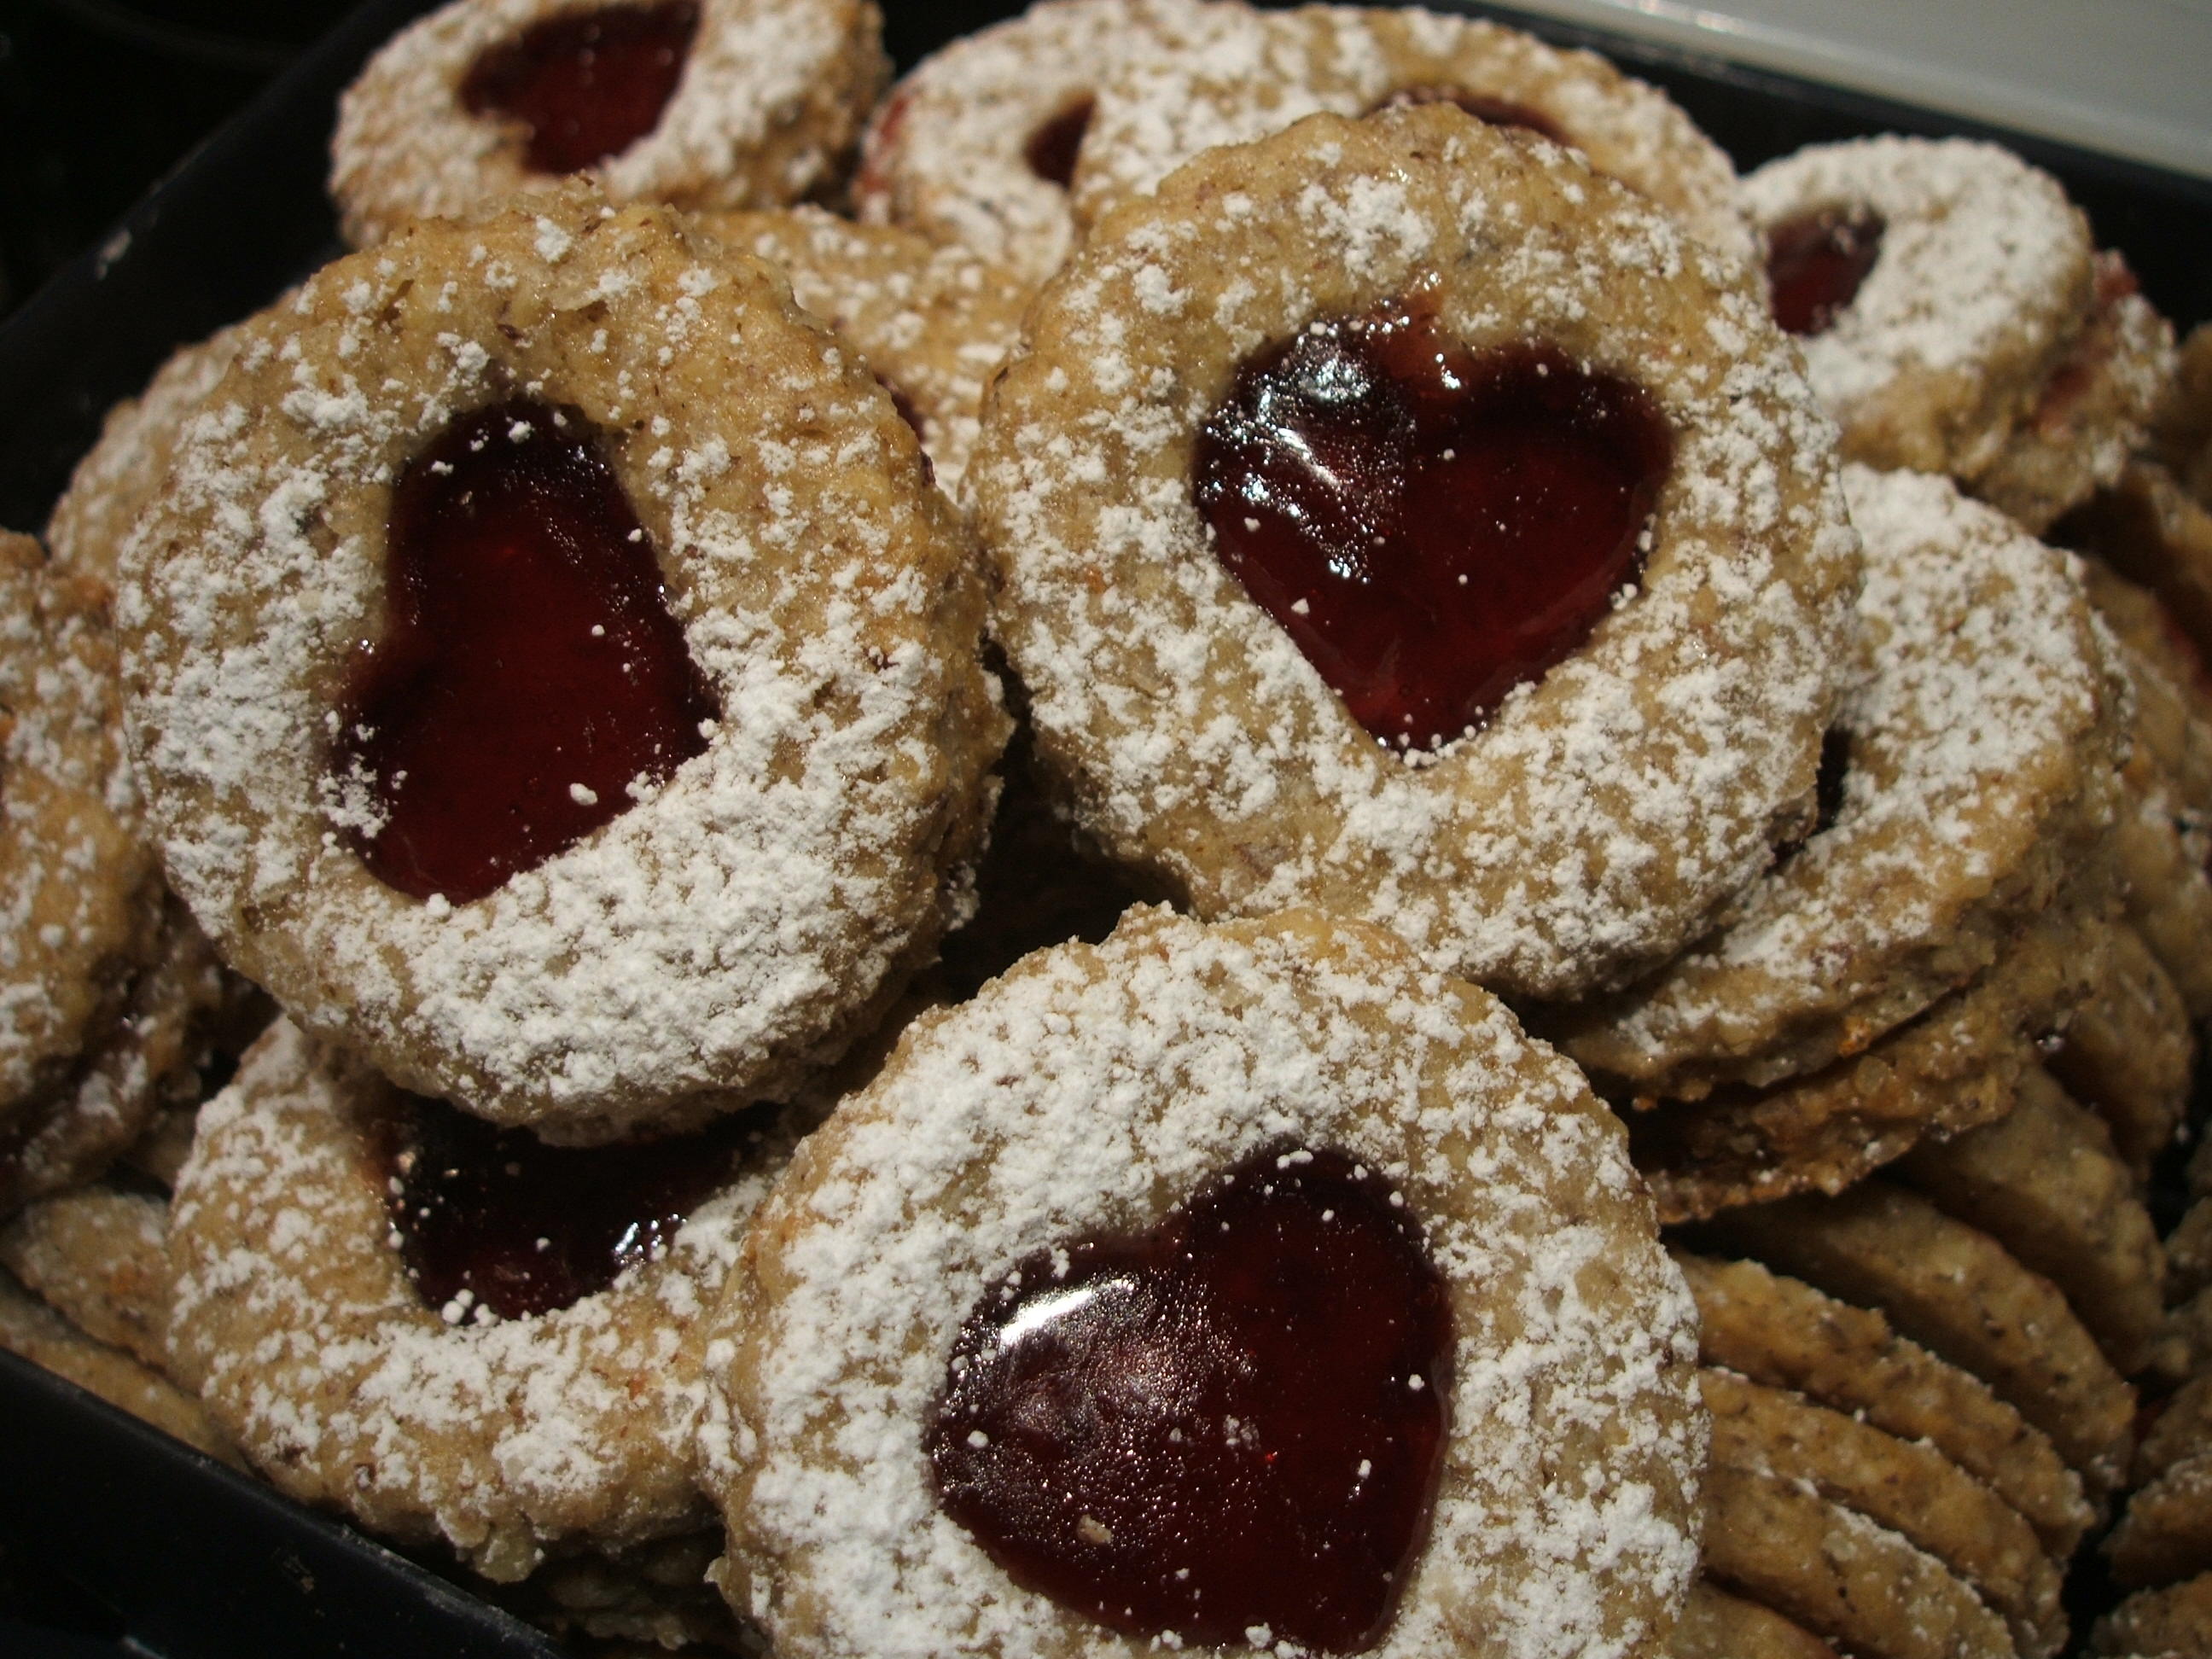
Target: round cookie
(99,1256)
(932,322)
(121,472)
(700,103)
(1717,1626)
(777,835)
(299,1320)
(1955,1289)
(1840,1575)
(1980,763)
(1087,1095)
(976,145)
(78,889)
(1956,1067)
(1981,279)
(1257,72)
(1908,1486)
(1602,812)
(1784,1333)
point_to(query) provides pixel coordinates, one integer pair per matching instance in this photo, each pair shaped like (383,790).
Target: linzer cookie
(447,1330)
(978,144)
(1978,773)
(1955,317)
(1242,1286)
(701,103)
(661,840)
(1252,73)
(1266,678)
(932,322)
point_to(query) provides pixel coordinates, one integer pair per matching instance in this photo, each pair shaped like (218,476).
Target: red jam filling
(495,1218)
(1814,265)
(1235,1420)
(530,672)
(1053,147)
(1431,527)
(587,84)
(1491,112)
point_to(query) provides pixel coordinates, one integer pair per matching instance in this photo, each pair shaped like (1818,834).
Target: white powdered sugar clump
(1983,761)
(296,1319)
(1606,809)
(1090,1091)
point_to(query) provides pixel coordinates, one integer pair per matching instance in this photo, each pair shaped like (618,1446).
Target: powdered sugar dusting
(1603,811)
(1089,1090)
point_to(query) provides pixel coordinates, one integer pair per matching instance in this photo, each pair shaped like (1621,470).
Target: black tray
(114,1539)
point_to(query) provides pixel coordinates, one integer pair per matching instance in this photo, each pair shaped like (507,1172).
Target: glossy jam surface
(1814,265)
(1432,528)
(495,1218)
(529,671)
(587,84)
(1053,147)
(1235,1420)
(1492,112)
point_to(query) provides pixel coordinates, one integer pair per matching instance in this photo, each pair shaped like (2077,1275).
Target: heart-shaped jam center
(1814,265)
(1431,527)
(1055,146)
(492,1217)
(1229,1429)
(1491,111)
(530,677)
(587,84)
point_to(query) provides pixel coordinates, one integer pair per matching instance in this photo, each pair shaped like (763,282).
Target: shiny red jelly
(530,672)
(1431,527)
(1491,111)
(1234,1421)
(1053,147)
(1814,265)
(495,1218)
(587,84)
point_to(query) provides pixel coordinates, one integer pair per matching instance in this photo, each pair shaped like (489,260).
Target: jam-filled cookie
(1955,319)
(657,843)
(1269,493)
(977,145)
(701,103)
(932,322)
(1258,72)
(1977,772)
(449,1330)
(1242,1286)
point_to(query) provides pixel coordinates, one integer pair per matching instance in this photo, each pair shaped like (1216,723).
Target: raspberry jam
(1431,527)
(1491,111)
(495,1218)
(1053,147)
(587,84)
(1814,265)
(530,672)
(1235,1420)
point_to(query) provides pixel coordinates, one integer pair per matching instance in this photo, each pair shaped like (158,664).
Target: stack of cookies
(965,866)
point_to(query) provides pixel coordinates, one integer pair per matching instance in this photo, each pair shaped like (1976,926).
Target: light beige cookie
(1604,811)
(313,1336)
(1955,1289)
(2044,1182)
(719,925)
(1784,1333)
(932,322)
(1905,1485)
(1717,1626)
(1840,1575)
(701,103)
(1981,755)
(1083,1102)
(2130,1050)
(99,1256)
(1256,72)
